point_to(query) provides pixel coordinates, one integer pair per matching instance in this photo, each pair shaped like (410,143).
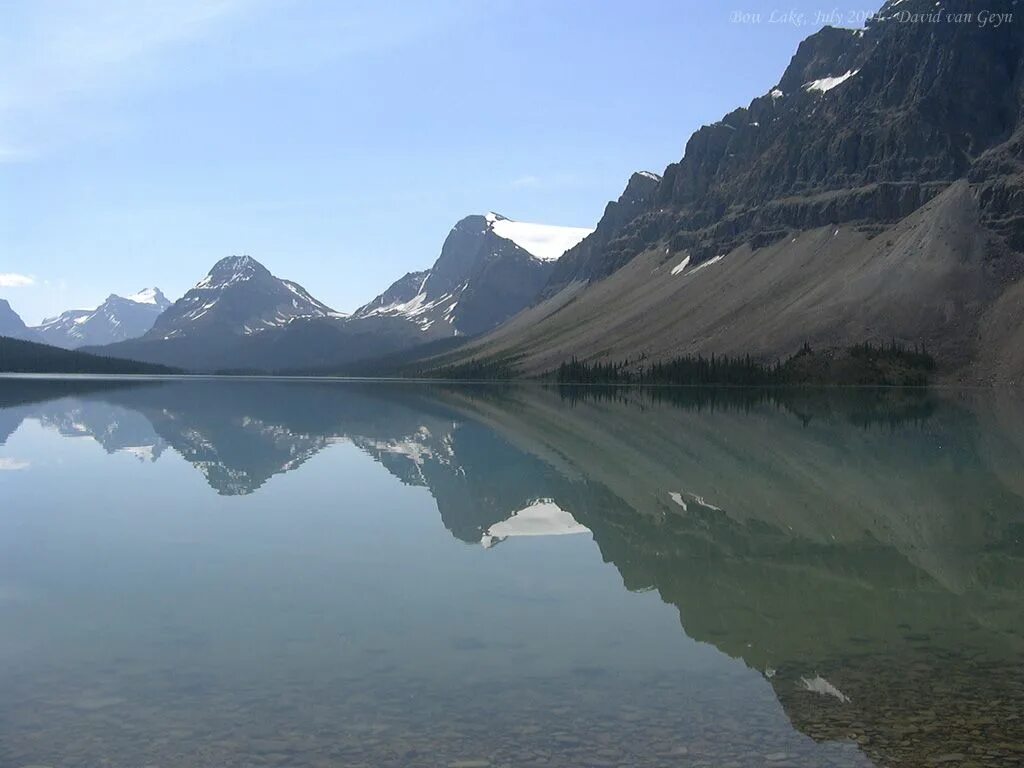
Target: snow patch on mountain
(546,242)
(826,84)
(240,296)
(116,319)
(418,308)
(146,296)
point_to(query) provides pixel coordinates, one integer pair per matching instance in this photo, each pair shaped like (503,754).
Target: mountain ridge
(240,317)
(467,288)
(878,138)
(12,326)
(118,318)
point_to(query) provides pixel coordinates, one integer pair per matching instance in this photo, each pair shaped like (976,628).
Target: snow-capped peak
(546,242)
(118,318)
(147,296)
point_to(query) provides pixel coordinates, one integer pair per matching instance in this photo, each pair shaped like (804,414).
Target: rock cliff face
(882,173)
(864,125)
(609,247)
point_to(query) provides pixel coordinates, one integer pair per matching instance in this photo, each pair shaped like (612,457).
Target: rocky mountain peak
(237,268)
(238,297)
(150,296)
(490,267)
(830,52)
(118,318)
(586,260)
(640,187)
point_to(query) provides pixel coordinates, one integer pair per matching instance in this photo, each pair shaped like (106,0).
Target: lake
(233,572)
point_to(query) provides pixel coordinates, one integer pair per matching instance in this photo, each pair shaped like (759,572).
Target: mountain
(116,319)
(581,262)
(872,194)
(241,317)
(490,268)
(12,326)
(229,319)
(239,297)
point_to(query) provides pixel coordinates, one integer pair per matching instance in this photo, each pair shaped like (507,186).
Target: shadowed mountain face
(873,193)
(490,268)
(863,552)
(13,326)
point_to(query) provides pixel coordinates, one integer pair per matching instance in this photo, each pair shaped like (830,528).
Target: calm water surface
(254,573)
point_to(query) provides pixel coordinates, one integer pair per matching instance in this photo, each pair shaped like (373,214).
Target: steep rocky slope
(873,193)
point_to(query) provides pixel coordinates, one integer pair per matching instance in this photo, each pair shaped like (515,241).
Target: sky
(338,141)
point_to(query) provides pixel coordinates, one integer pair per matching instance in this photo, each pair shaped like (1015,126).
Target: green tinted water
(236,573)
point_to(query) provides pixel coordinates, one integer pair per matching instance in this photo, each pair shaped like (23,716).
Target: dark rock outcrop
(865,129)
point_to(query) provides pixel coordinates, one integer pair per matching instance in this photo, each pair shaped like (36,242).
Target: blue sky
(338,142)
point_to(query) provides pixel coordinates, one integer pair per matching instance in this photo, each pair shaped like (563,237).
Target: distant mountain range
(241,317)
(872,195)
(116,319)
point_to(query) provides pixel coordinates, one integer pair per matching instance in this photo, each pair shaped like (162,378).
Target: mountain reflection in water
(862,551)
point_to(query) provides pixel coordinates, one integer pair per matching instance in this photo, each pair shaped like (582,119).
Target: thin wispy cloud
(59,54)
(14,280)
(14,154)
(13,465)
(526,182)
(546,181)
(68,65)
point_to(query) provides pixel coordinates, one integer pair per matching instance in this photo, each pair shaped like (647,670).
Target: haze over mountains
(12,326)
(873,194)
(116,319)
